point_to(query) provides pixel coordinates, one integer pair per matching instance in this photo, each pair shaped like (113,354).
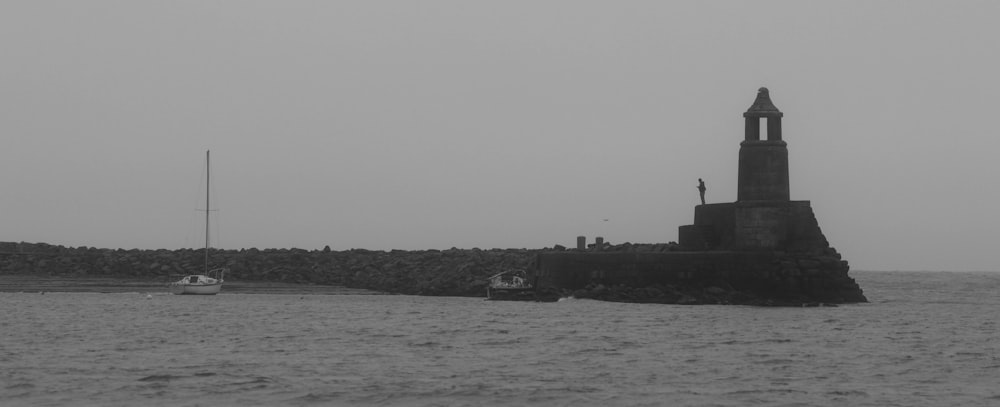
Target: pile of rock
(456,272)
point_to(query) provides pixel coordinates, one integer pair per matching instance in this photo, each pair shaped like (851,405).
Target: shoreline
(43,284)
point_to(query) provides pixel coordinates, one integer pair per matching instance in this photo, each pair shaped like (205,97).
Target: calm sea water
(926,339)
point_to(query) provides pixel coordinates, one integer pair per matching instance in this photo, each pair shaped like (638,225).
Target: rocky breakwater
(452,272)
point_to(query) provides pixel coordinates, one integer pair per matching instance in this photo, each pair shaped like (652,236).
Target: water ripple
(919,349)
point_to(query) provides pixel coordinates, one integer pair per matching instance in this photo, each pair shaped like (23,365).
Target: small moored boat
(200,284)
(210,282)
(510,285)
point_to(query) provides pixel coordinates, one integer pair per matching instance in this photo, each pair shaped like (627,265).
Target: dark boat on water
(511,285)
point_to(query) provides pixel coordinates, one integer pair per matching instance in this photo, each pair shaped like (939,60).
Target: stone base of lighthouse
(753,225)
(757,253)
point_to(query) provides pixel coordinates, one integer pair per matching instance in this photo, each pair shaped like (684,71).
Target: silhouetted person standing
(701,190)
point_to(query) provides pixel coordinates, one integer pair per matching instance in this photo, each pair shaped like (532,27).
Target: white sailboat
(210,282)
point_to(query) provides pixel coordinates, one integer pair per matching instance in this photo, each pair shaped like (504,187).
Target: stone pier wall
(706,277)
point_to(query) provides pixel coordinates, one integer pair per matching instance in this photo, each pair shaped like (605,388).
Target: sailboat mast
(208,179)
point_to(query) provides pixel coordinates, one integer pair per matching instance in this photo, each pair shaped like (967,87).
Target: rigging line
(214,220)
(194,236)
(217,229)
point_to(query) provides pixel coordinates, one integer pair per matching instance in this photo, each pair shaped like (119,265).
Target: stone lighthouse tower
(763,167)
(763,216)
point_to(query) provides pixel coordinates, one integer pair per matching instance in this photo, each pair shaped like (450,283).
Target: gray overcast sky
(504,124)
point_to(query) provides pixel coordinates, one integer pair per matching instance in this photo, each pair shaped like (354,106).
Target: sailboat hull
(208,289)
(198,284)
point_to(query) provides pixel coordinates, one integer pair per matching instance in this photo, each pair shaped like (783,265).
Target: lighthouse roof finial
(762,106)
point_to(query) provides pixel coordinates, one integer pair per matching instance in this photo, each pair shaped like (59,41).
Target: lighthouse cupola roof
(762,106)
